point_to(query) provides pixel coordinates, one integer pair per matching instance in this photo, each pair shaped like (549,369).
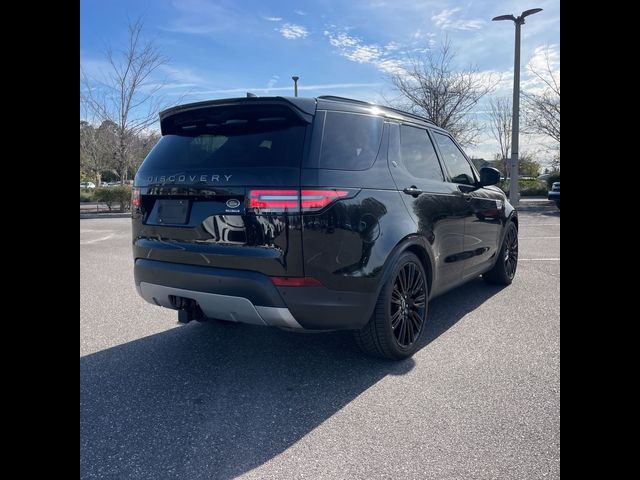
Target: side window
(350,141)
(457,164)
(418,154)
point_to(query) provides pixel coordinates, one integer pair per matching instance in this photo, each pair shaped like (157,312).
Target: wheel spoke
(403,329)
(410,274)
(395,319)
(416,282)
(396,296)
(409,332)
(418,320)
(418,287)
(419,300)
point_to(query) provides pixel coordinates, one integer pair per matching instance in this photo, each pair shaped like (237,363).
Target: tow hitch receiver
(187,308)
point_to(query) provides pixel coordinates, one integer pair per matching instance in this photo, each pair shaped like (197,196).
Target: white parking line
(531,238)
(101,239)
(539,259)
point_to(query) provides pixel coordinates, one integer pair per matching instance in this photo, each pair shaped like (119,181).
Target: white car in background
(87,185)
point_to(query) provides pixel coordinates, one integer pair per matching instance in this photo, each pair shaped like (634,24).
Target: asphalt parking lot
(480,400)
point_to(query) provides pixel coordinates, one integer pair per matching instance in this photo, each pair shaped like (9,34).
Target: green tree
(528,166)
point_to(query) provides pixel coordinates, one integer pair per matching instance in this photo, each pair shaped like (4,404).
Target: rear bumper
(251,297)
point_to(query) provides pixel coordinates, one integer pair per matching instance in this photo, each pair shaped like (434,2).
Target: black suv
(314,213)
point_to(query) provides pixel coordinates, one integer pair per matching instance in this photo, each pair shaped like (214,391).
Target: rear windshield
(235,138)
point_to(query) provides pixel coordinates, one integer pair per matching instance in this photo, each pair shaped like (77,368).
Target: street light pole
(295,79)
(514,187)
(514,194)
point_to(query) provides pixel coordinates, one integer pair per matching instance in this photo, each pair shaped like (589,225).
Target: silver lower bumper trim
(223,307)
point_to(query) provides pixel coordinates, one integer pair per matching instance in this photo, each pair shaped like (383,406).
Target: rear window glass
(234,138)
(350,141)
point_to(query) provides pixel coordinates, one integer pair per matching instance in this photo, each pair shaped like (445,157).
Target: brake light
(281,200)
(274,200)
(135,196)
(295,282)
(317,199)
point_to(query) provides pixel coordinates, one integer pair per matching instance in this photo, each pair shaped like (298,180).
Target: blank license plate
(173,211)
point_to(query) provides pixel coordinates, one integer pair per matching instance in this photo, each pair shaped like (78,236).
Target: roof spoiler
(304,108)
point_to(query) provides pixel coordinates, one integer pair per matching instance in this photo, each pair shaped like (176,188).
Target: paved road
(479,400)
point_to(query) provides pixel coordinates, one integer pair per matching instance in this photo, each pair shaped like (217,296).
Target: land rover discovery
(314,213)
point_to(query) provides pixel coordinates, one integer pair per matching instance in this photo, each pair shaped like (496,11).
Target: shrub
(122,195)
(553,178)
(527,188)
(112,195)
(105,195)
(86,195)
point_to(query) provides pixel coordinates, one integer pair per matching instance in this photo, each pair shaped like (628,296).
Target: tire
(504,270)
(398,320)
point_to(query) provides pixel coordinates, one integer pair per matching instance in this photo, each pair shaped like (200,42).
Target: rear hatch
(222,187)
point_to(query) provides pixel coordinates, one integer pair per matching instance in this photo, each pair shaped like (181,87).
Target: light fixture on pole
(295,85)
(514,196)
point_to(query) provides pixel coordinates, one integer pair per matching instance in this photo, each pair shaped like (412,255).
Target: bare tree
(97,147)
(542,110)
(500,124)
(128,94)
(434,88)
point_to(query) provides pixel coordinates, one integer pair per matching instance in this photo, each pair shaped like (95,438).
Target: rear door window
(418,154)
(350,141)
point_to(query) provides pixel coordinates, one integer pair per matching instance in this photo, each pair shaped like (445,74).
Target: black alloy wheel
(400,313)
(504,269)
(408,305)
(511,252)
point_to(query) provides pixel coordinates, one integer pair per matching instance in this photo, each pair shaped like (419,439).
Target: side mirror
(489,176)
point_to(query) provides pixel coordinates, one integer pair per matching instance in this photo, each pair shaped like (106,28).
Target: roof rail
(343,99)
(361,102)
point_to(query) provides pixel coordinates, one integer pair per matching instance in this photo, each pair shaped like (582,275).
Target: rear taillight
(135,196)
(281,200)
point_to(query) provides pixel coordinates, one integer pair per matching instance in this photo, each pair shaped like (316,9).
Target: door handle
(413,191)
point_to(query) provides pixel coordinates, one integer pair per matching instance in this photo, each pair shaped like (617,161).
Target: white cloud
(544,57)
(200,17)
(272,81)
(293,31)
(545,62)
(391,65)
(299,12)
(391,46)
(181,74)
(354,49)
(273,19)
(445,21)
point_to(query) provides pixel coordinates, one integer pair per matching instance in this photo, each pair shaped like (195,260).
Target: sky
(220,49)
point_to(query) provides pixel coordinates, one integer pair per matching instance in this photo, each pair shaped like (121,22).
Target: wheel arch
(416,245)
